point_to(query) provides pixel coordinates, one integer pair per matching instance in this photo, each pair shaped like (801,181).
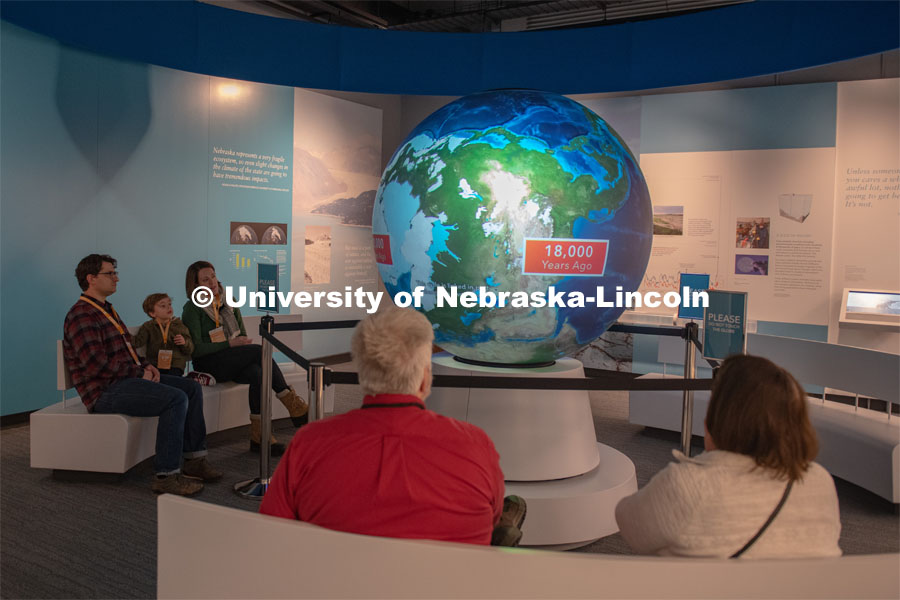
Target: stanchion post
(687,405)
(255,489)
(316,391)
(265,402)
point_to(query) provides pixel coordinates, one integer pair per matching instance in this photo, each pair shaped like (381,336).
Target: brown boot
(276,448)
(199,468)
(176,483)
(296,406)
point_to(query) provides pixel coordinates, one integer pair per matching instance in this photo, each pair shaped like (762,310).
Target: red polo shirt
(391,468)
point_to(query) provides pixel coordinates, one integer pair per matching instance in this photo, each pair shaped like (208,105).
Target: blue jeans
(178,402)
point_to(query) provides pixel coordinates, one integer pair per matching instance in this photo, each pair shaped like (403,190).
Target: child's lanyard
(116,323)
(164,332)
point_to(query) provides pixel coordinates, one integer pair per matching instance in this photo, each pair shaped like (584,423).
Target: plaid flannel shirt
(95,352)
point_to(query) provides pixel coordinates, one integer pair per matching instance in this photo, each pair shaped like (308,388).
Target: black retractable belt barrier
(547,383)
(310,325)
(286,350)
(475,381)
(647,329)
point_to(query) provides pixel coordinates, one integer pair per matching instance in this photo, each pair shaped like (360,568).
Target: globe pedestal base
(573,512)
(548,450)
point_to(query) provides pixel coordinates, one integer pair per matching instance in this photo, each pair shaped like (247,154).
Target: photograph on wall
(795,207)
(266,234)
(337,169)
(317,252)
(751,264)
(668,220)
(752,232)
(337,157)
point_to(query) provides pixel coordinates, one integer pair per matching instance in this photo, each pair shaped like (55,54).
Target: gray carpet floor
(61,539)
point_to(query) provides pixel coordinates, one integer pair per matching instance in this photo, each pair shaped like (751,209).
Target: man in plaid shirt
(111,378)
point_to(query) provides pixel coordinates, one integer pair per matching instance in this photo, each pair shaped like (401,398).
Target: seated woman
(757,470)
(222,348)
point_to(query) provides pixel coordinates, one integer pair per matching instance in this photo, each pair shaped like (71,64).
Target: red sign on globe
(383,249)
(555,256)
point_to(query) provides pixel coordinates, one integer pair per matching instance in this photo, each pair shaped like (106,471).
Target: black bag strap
(784,497)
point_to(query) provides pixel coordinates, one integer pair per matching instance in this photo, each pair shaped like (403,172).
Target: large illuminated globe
(479,194)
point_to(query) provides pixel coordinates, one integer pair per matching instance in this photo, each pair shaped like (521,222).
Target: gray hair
(391,349)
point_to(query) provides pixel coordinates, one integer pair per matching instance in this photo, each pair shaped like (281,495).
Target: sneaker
(199,468)
(514,509)
(508,532)
(202,378)
(177,484)
(505,535)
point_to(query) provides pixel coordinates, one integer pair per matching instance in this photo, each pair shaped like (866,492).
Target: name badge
(217,334)
(164,359)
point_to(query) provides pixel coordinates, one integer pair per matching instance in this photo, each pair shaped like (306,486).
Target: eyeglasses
(109,273)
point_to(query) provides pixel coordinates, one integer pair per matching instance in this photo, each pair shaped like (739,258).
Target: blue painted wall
(103,155)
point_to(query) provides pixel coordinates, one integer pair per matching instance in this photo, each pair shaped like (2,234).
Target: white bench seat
(860,446)
(209,551)
(65,437)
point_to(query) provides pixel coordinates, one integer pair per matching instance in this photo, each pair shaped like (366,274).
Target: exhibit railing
(320,377)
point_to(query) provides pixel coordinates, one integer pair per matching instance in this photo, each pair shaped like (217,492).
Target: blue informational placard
(694,282)
(725,324)
(267,277)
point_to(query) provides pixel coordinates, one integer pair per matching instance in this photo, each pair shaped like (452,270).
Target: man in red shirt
(394,468)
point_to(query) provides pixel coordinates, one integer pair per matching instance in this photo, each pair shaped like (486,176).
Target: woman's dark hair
(758,409)
(91,265)
(190,278)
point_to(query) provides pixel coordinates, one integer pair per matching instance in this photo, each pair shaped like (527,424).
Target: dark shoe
(199,468)
(514,509)
(275,448)
(176,483)
(506,535)
(296,406)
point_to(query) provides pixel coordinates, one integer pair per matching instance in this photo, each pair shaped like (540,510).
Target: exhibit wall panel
(158,168)
(867,204)
(248,168)
(151,205)
(48,204)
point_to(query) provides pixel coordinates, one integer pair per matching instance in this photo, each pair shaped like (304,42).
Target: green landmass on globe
(480,176)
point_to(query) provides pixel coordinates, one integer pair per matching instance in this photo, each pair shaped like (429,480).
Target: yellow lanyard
(164,332)
(117,324)
(216,311)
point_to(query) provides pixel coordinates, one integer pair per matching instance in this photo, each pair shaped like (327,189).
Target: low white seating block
(68,437)
(64,436)
(209,551)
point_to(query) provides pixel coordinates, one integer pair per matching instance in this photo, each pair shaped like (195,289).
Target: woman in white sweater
(759,451)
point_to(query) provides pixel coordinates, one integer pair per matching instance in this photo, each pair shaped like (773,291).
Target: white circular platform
(548,450)
(573,512)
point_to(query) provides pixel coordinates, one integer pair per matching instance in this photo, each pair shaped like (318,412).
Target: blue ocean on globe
(515,191)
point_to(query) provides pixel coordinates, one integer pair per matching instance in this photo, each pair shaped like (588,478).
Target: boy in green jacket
(168,341)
